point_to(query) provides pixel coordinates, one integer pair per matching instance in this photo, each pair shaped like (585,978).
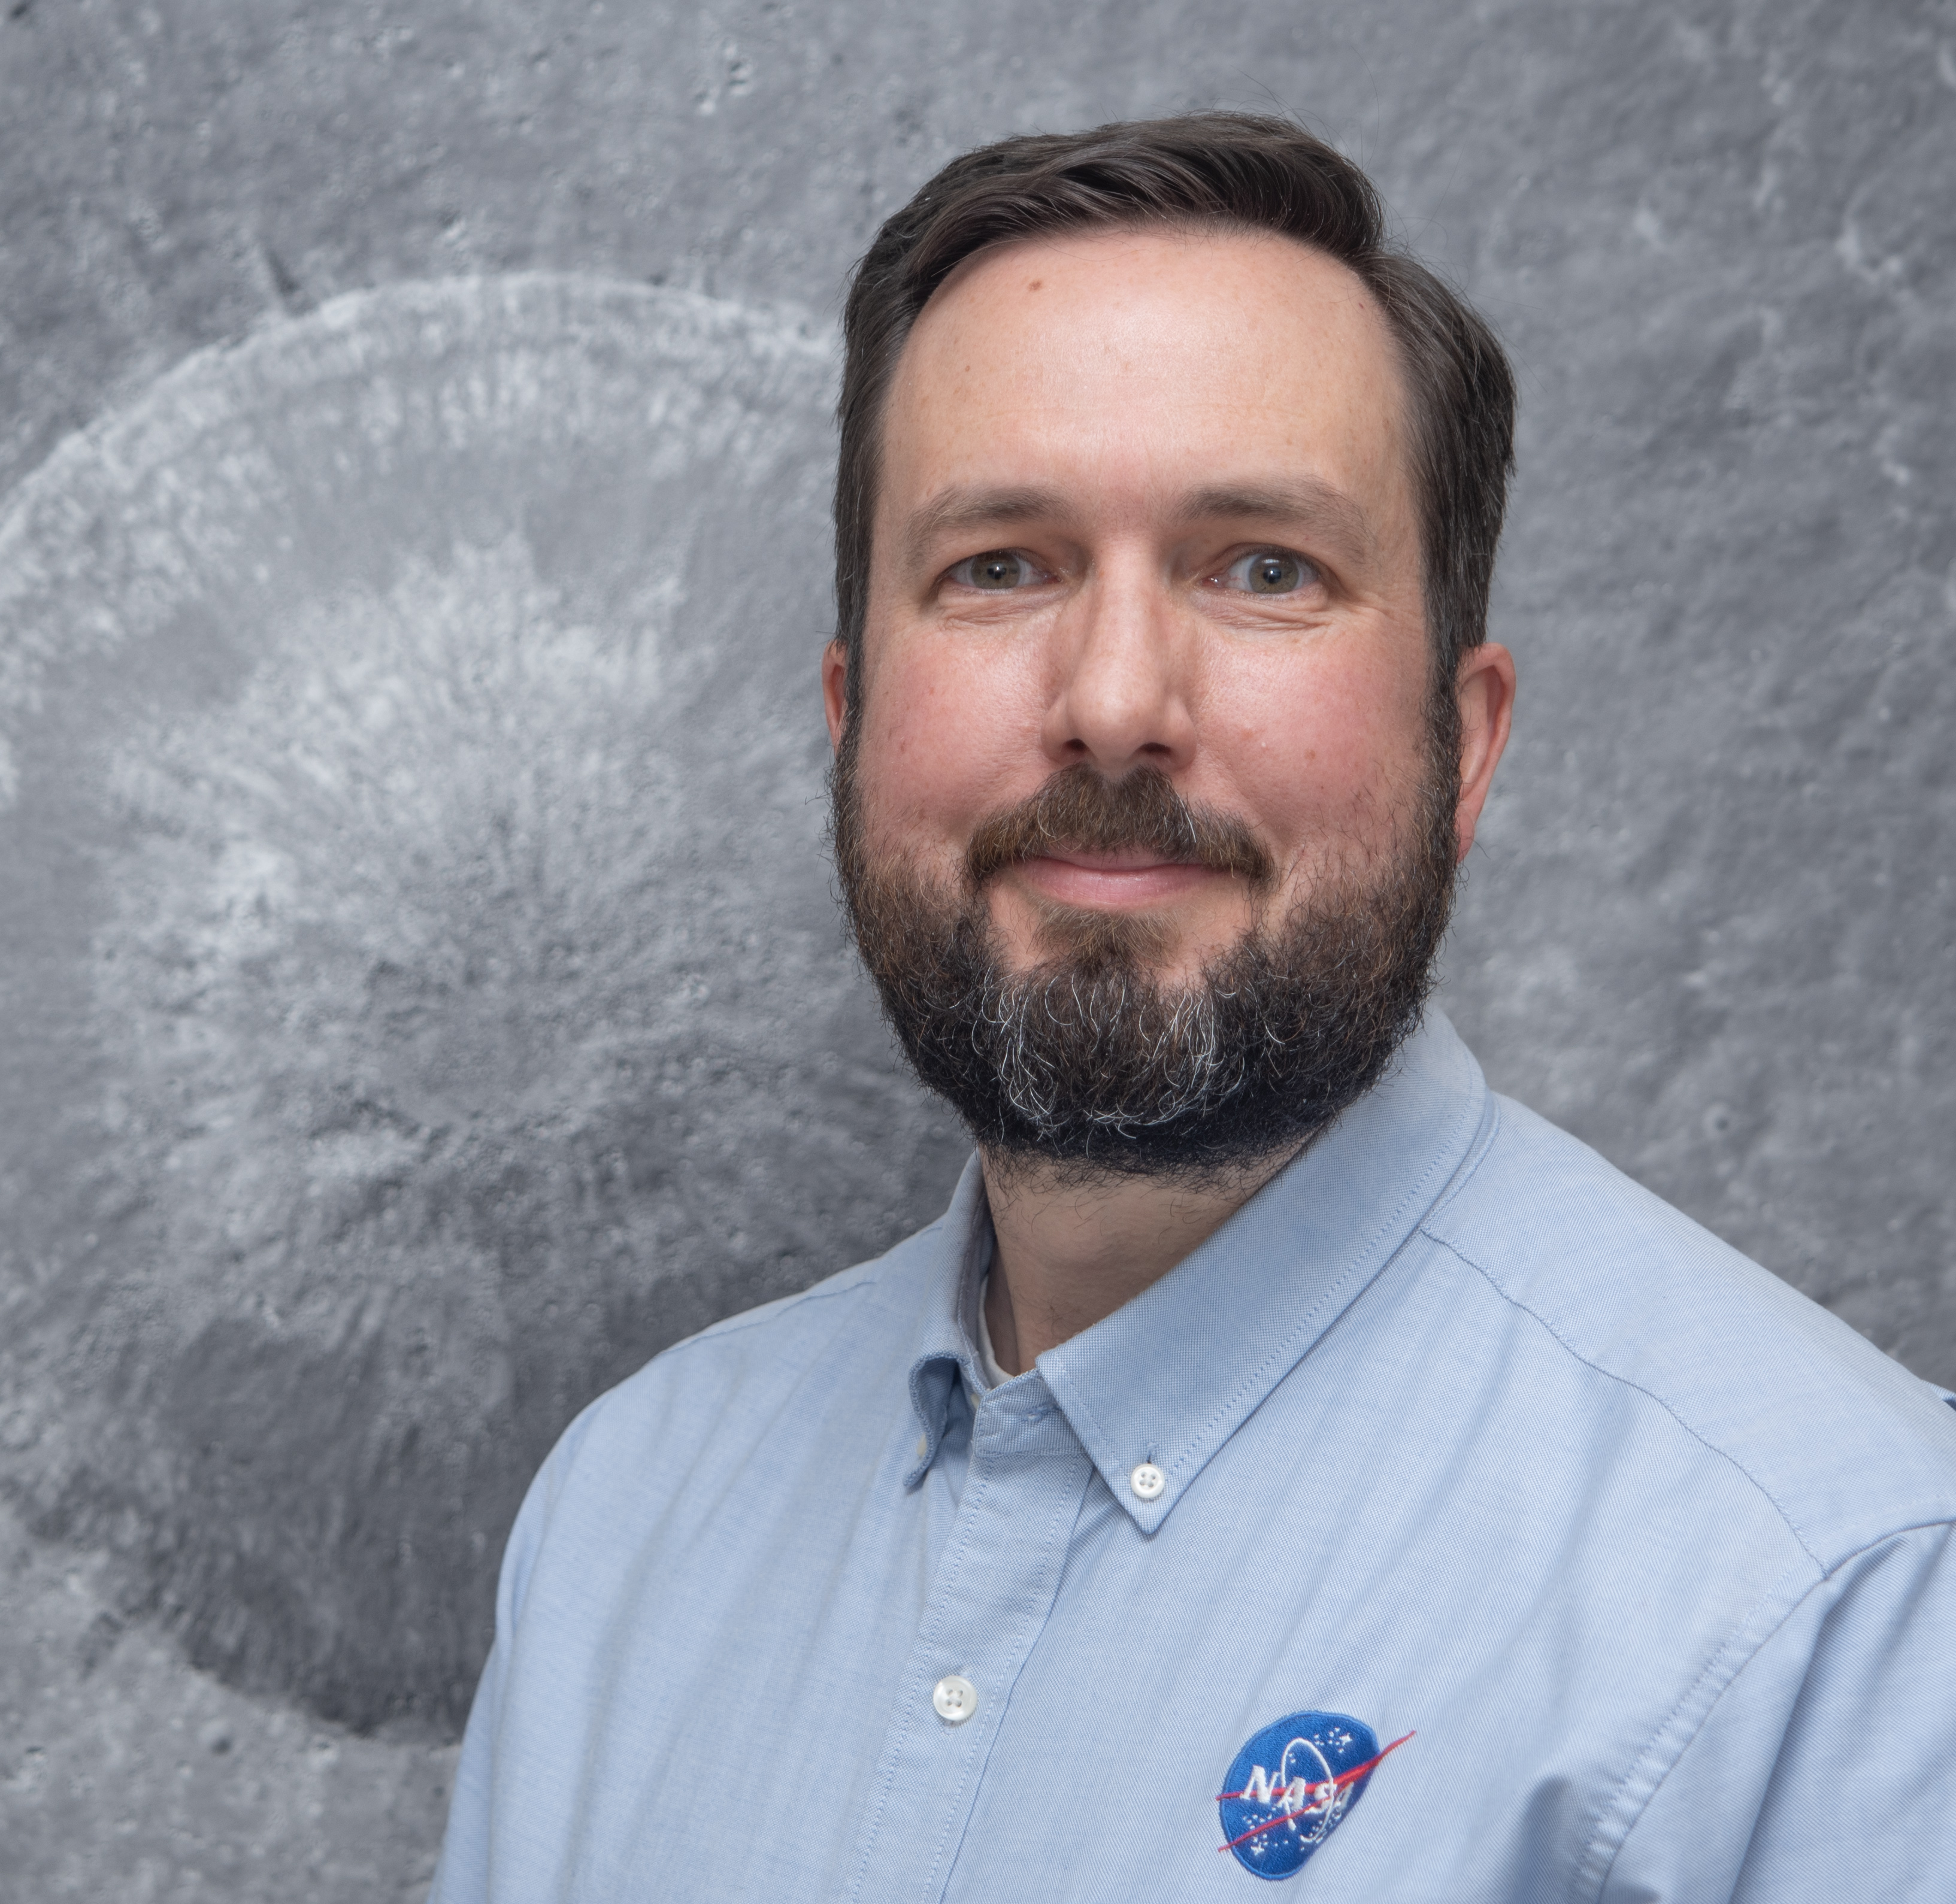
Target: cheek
(1328,746)
(945,724)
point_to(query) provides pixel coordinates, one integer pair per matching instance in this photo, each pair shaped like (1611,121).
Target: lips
(1099,879)
(1089,860)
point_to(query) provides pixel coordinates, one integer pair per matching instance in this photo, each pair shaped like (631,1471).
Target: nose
(1121,694)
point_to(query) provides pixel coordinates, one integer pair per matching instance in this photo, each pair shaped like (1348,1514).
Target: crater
(427,1000)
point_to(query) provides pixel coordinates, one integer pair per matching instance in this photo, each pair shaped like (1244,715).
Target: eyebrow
(1317,505)
(960,507)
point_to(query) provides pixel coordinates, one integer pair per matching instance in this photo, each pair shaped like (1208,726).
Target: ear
(1485,686)
(835,690)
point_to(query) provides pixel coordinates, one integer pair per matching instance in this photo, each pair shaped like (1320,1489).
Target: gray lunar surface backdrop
(421,995)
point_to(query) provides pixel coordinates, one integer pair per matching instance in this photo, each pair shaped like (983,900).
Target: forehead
(1135,361)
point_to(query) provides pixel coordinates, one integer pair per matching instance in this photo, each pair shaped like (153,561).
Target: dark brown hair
(1229,169)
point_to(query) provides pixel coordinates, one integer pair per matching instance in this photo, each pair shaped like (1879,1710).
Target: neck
(1070,1251)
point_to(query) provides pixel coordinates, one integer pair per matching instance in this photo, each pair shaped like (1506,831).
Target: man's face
(1144,506)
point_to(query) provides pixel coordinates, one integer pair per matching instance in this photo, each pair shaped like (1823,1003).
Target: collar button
(1148,1482)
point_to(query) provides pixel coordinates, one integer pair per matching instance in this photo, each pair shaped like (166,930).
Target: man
(1284,1460)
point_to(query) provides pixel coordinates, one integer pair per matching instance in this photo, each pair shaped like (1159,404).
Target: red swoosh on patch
(1291,1817)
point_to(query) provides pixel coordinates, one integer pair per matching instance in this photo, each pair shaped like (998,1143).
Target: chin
(1169,951)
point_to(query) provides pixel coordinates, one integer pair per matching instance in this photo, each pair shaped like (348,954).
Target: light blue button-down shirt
(1466,1441)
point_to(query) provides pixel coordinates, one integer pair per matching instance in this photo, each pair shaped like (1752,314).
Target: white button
(955,1698)
(923,1446)
(1147,1481)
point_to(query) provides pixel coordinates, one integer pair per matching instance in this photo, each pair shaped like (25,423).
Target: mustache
(1080,810)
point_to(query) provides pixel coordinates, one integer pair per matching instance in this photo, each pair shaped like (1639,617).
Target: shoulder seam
(1610,1374)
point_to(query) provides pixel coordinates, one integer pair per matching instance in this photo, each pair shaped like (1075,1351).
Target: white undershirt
(987,1363)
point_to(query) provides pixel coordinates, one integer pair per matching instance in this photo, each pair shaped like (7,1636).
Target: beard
(1088,1064)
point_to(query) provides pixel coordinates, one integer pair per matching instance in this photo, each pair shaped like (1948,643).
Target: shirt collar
(1169,1377)
(947,1347)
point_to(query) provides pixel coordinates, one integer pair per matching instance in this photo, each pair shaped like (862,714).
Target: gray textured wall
(419,994)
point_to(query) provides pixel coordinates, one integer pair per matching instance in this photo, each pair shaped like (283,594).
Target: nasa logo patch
(1291,1787)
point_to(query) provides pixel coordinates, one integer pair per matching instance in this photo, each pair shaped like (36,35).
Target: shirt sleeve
(462,1875)
(1823,1771)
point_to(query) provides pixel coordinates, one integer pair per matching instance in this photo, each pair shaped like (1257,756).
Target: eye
(996,571)
(1269,571)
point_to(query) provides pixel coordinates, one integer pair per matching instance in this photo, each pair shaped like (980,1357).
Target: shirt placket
(1026,1476)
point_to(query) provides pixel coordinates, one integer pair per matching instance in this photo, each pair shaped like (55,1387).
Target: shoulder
(704,1404)
(1846,1444)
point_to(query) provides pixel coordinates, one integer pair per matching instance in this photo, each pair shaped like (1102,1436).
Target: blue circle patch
(1291,1787)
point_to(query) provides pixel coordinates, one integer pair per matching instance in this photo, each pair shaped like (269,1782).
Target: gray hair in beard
(1086,1062)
